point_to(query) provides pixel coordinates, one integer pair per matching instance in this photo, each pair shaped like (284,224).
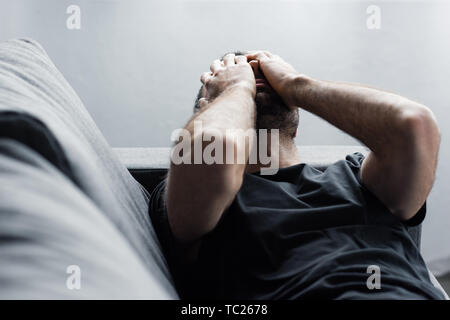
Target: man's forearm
(233,109)
(372,116)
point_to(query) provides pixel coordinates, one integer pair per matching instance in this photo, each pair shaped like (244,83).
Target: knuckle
(229,56)
(205,77)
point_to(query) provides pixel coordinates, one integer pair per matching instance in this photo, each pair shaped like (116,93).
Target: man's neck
(286,156)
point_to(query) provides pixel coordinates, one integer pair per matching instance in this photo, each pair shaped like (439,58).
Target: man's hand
(278,72)
(232,72)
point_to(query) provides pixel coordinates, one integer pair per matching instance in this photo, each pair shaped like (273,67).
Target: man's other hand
(280,74)
(231,72)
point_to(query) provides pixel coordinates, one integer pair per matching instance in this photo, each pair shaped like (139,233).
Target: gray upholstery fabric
(31,84)
(48,224)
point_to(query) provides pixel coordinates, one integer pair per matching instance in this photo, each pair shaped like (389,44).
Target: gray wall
(136,64)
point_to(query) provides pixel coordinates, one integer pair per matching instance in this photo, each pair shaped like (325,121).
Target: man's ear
(296,133)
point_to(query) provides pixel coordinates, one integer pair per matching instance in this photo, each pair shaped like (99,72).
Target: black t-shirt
(302,233)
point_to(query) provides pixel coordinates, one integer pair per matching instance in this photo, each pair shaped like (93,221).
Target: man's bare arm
(198,194)
(402,135)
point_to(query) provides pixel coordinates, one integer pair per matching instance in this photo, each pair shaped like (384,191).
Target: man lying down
(230,230)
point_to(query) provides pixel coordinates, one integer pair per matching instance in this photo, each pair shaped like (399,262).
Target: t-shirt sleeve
(172,250)
(355,161)
(158,215)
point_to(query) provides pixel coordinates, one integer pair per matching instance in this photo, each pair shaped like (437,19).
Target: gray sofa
(94,215)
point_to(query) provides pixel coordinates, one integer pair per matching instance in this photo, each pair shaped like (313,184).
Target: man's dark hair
(272,115)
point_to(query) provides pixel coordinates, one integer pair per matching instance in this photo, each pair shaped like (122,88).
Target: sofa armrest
(149,165)
(158,158)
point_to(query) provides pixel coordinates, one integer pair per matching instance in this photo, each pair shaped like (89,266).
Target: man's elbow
(420,128)
(418,156)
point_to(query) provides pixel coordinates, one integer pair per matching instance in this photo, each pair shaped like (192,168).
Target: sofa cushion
(49,226)
(31,85)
